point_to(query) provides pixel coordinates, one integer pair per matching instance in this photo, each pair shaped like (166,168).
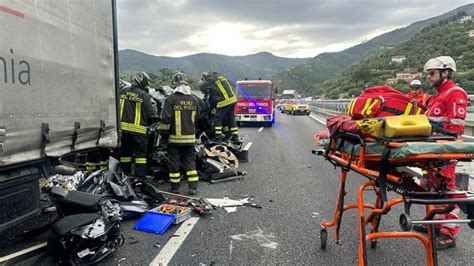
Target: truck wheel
(268,124)
(238,124)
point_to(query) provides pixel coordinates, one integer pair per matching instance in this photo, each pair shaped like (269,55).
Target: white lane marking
(37,248)
(231,248)
(260,130)
(317,119)
(168,251)
(247,147)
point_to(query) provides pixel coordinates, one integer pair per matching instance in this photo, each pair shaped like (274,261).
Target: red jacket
(421,98)
(448,107)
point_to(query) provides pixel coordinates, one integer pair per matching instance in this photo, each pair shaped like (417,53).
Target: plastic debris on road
(226,202)
(68,182)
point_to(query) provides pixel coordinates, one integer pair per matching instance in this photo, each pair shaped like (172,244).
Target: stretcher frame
(366,165)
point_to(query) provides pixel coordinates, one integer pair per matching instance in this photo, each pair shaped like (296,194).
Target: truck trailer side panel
(57,78)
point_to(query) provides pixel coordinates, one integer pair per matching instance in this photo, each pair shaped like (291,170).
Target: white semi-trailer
(58,93)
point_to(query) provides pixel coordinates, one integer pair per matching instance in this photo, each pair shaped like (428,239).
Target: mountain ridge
(259,65)
(326,66)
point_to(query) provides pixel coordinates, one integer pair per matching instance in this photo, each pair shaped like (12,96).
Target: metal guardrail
(341,106)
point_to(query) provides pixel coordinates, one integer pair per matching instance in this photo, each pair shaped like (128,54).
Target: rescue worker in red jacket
(221,96)
(179,114)
(136,115)
(447,109)
(416,93)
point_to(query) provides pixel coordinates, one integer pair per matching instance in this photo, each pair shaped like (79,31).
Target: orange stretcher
(384,162)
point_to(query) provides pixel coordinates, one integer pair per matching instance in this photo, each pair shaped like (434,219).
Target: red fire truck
(255,102)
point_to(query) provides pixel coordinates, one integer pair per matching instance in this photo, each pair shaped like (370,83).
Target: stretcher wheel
(323,236)
(373,244)
(405,222)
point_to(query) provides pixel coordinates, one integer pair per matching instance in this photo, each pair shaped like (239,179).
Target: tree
(361,74)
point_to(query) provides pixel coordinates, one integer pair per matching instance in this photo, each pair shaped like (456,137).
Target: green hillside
(447,37)
(326,66)
(261,65)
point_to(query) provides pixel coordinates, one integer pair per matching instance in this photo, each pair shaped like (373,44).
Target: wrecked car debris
(68,182)
(88,229)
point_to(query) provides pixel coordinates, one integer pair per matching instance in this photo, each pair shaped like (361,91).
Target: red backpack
(382,101)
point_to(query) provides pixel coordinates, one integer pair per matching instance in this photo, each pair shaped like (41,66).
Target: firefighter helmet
(141,79)
(441,63)
(207,74)
(178,79)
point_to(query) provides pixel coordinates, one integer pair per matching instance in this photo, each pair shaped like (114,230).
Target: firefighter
(178,116)
(136,114)
(416,93)
(448,110)
(221,98)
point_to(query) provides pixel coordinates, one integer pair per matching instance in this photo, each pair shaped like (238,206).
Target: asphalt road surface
(297,190)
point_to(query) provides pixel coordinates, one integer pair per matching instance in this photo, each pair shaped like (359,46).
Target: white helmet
(440,62)
(415,83)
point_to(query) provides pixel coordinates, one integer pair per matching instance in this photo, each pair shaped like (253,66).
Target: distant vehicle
(280,105)
(298,107)
(287,106)
(289,94)
(255,102)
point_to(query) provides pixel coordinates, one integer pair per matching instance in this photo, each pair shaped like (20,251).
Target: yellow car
(299,107)
(287,106)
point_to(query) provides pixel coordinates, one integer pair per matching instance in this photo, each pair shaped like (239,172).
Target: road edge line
(317,119)
(23,254)
(169,250)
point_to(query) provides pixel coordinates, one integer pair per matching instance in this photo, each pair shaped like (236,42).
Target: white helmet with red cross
(440,62)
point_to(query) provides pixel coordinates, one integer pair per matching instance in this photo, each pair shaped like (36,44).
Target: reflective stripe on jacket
(135,110)
(178,118)
(220,90)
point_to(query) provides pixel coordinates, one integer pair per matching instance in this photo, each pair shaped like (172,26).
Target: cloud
(298,28)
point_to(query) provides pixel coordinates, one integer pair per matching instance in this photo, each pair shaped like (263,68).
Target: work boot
(236,140)
(175,188)
(193,188)
(424,229)
(444,241)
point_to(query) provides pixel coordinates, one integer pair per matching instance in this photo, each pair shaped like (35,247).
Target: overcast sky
(288,28)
